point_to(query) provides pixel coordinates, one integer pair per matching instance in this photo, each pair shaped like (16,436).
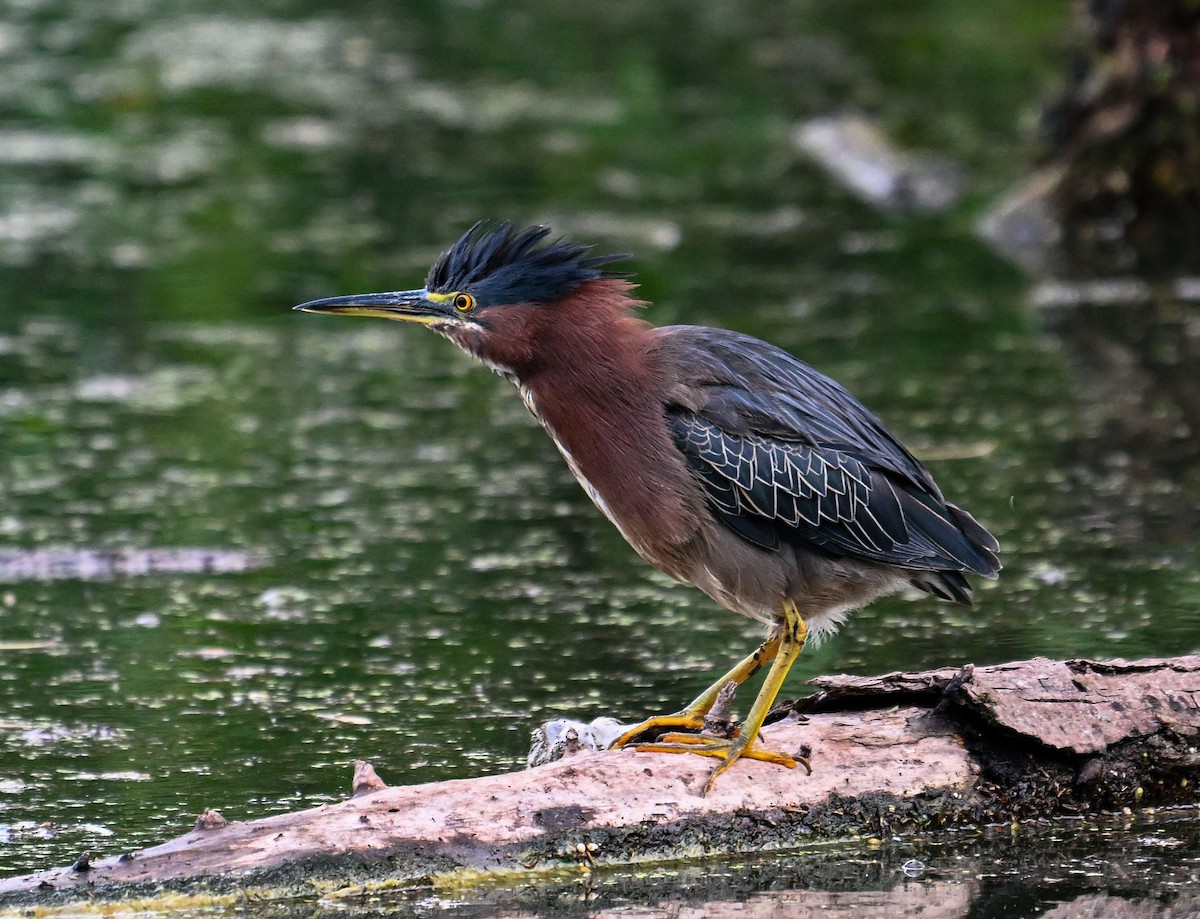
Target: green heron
(723,460)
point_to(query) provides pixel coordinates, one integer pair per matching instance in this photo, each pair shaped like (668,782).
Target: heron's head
(492,290)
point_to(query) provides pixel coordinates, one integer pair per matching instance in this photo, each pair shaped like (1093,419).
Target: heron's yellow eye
(463,302)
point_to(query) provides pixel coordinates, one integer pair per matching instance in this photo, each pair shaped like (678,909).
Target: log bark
(894,753)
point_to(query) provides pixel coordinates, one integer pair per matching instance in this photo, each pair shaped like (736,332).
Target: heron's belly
(757,582)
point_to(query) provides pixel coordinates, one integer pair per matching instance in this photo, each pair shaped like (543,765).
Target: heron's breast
(624,478)
(576,470)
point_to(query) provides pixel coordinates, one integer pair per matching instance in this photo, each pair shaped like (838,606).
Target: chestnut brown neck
(593,379)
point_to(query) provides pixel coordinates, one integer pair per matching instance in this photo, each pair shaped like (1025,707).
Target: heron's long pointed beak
(407,305)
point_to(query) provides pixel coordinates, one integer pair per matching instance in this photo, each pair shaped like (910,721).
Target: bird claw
(683,719)
(709,717)
(724,748)
(728,749)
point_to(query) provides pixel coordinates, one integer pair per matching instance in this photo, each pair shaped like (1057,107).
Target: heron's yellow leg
(791,636)
(693,715)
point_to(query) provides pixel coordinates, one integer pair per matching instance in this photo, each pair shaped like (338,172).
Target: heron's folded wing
(773,491)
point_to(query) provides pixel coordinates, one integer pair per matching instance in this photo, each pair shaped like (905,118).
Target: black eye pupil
(462,301)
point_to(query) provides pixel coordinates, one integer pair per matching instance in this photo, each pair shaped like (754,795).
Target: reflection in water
(929,900)
(1089,869)
(1123,199)
(1136,352)
(936,900)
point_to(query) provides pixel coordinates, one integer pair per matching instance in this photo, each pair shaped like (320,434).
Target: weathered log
(892,753)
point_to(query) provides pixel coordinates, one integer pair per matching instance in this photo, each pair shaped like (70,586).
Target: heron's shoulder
(733,356)
(733,365)
(744,385)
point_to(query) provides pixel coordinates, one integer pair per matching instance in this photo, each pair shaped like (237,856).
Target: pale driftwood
(906,750)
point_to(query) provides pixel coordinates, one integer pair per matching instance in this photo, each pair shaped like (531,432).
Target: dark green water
(426,582)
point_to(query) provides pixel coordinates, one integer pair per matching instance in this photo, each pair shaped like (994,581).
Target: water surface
(424,582)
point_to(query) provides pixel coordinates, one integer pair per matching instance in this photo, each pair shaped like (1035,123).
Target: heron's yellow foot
(729,749)
(684,719)
(781,649)
(693,716)
(720,747)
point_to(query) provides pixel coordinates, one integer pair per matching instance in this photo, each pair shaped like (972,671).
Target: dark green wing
(786,455)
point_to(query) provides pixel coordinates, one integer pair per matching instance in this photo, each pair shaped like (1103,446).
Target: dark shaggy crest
(506,265)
